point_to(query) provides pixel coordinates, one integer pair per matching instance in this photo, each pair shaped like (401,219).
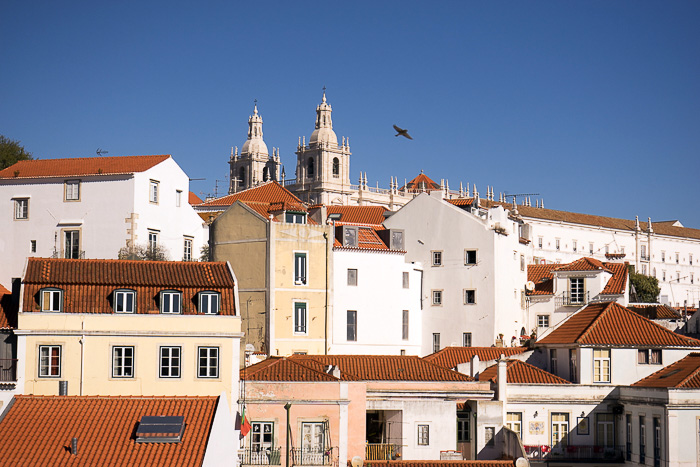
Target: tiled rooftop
(81,166)
(519,372)
(368,238)
(372,215)
(450,357)
(8,310)
(685,373)
(611,324)
(421,183)
(38,430)
(270,192)
(583,264)
(543,275)
(654,311)
(194,199)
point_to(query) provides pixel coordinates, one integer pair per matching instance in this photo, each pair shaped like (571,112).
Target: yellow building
(110,327)
(283,261)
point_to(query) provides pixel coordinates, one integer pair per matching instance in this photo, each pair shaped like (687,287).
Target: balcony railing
(382,451)
(301,456)
(297,456)
(576,299)
(8,370)
(268,456)
(576,453)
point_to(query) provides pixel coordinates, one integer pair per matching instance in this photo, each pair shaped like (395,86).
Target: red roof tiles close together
(270,192)
(421,183)
(685,374)
(371,215)
(655,311)
(194,199)
(81,166)
(450,357)
(519,372)
(542,275)
(8,309)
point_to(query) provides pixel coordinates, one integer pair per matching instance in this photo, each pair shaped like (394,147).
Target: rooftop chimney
(74,446)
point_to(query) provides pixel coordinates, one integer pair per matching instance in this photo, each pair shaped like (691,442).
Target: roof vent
(74,446)
(160,429)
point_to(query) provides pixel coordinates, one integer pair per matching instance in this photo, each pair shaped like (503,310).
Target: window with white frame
(351,325)
(207,362)
(560,429)
(514,421)
(295,217)
(557,244)
(312,441)
(436,258)
(601,365)
(404,279)
(605,430)
(553,361)
(124,301)
(539,242)
(542,321)
(576,290)
(300,318)
(352,277)
(678,257)
(72,190)
(663,256)
(262,436)
(423,435)
(466,339)
(21,208)
(170,361)
(404,325)
(590,248)
(300,268)
(187,249)
(170,302)
(437,297)
(49,361)
(522,262)
(209,303)
(574,245)
(123,361)
(178,198)
(649,356)
(436,342)
(153,191)
(72,244)
(51,299)
(152,240)
(469,297)
(469,257)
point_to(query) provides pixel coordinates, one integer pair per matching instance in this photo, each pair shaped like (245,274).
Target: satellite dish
(250,348)
(356,461)
(529,286)
(522,462)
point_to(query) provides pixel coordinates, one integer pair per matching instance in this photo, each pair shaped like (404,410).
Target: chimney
(502,378)
(333,370)
(74,446)
(474,367)
(63,388)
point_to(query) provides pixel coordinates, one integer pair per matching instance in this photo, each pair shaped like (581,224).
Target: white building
(92,207)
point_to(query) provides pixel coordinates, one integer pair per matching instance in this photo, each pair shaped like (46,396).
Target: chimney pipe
(63,388)
(74,446)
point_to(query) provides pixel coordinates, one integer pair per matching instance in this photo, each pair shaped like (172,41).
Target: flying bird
(402,132)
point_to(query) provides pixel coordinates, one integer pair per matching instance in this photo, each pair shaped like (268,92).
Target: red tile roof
(88,283)
(461,202)
(372,215)
(194,199)
(685,373)
(654,311)
(583,264)
(617,284)
(421,183)
(404,463)
(368,238)
(543,275)
(518,372)
(38,430)
(352,368)
(270,192)
(610,324)
(8,309)
(81,166)
(450,357)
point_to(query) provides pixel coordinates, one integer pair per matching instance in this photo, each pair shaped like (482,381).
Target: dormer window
(52,300)
(171,302)
(397,239)
(350,236)
(124,301)
(291,217)
(209,303)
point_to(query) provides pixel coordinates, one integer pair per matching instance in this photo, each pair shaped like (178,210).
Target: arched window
(310,168)
(266,175)
(336,167)
(241,177)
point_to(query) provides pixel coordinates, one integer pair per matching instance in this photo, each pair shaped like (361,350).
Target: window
(601,365)
(463,432)
(590,248)
(352,325)
(72,190)
(436,341)
(32,244)
(678,258)
(295,217)
(469,257)
(300,268)
(469,297)
(553,361)
(72,244)
(50,361)
(262,437)
(560,428)
(643,252)
(122,362)
(649,356)
(642,439)
(423,435)
(514,421)
(437,297)
(522,262)
(300,318)
(152,240)
(312,442)
(690,258)
(170,362)
(678,276)
(466,339)
(208,362)
(436,258)
(310,168)
(605,430)
(352,277)
(663,276)
(644,269)
(557,244)
(153,192)
(21,208)
(51,300)
(576,290)
(404,278)
(187,252)
(397,239)
(539,242)
(542,321)
(628,420)
(124,301)
(657,440)
(692,279)
(574,245)
(241,176)
(350,236)
(170,302)
(209,303)
(643,356)
(607,249)
(489,436)
(573,366)
(404,325)
(336,167)
(266,174)
(663,256)
(178,198)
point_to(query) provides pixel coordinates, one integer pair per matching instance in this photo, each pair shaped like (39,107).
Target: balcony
(382,451)
(300,456)
(583,454)
(260,457)
(297,456)
(8,370)
(575,299)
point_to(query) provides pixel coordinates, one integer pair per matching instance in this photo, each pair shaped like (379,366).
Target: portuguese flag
(245,423)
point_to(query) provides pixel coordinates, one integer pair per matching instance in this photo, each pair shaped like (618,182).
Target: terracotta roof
(352,368)
(105,429)
(685,373)
(373,215)
(518,372)
(654,311)
(194,199)
(583,264)
(450,357)
(541,275)
(403,463)
(8,309)
(611,324)
(617,284)
(421,183)
(270,192)
(88,284)
(461,202)
(81,166)
(368,238)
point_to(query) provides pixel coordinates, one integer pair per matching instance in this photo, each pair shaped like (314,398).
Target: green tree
(11,152)
(144,253)
(646,287)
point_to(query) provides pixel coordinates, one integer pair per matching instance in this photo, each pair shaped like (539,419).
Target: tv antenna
(99,152)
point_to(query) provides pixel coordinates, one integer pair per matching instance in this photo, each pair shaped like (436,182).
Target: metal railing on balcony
(300,456)
(575,299)
(575,453)
(269,456)
(382,451)
(8,370)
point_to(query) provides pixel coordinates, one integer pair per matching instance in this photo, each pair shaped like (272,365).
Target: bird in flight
(402,132)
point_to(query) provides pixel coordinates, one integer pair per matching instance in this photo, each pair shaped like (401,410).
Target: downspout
(82,356)
(325,317)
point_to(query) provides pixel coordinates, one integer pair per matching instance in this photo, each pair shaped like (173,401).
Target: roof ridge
(662,328)
(689,377)
(593,323)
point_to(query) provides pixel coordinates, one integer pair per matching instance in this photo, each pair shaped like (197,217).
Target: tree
(205,253)
(11,152)
(646,287)
(144,253)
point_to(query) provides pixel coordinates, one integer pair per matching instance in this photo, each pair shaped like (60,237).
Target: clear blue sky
(595,105)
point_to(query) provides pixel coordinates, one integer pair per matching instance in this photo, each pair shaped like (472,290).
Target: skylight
(160,429)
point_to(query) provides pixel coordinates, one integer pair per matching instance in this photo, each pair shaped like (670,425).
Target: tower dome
(255,144)
(324,134)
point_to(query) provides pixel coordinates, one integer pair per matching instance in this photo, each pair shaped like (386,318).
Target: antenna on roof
(99,152)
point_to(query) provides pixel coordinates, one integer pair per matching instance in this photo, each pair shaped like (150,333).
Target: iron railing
(269,456)
(8,370)
(576,453)
(577,299)
(382,451)
(300,456)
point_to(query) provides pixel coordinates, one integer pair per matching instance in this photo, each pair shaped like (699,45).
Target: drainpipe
(325,317)
(82,356)
(476,431)
(288,406)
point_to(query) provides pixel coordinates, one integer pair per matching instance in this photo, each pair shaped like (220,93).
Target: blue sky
(594,105)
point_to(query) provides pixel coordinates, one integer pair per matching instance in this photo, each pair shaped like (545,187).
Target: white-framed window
(187,251)
(122,361)
(644,269)
(605,430)
(436,258)
(21,208)
(663,275)
(423,435)
(51,299)
(72,244)
(152,240)
(404,325)
(72,190)
(574,245)
(469,257)
(262,436)
(209,303)
(153,191)
(553,361)
(178,198)
(557,244)
(352,277)
(32,248)
(170,302)
(542,321)
(466,339)
(207,362)
(663,256)
(352,325)
(678,257)
(312,441)
(404,279)
(300,318)
(522,262)
(576,290)
(295,217)
(540,240)
(560,429)
(300,277)
(124,301)
(469,297)
(649,356)
(436,342)
(49,361)
(170,361)
(514,421)
(590,248)
(601,365)
(437,297)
